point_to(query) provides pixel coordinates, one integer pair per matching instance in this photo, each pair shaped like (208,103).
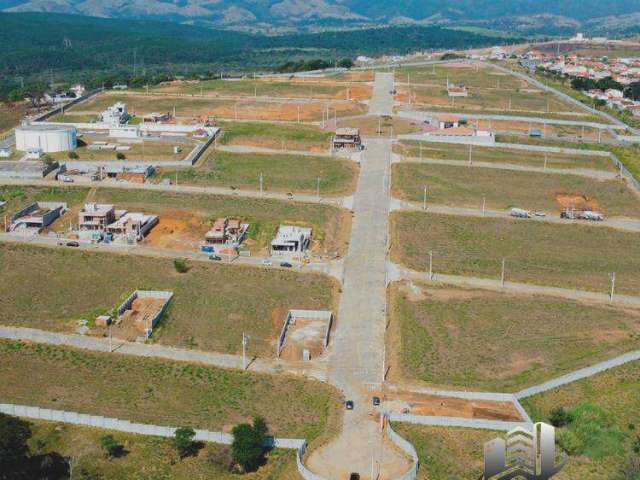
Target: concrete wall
(455,422)
(407,448)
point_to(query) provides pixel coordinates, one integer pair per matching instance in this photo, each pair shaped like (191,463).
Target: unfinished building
(226,233)
(347,138)
(37,216)
(291,241)
(305,334)
(140,312)
(104,222)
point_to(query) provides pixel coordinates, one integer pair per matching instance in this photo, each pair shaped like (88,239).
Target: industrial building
(291,240)
(37,216)
(27,169)
(347,138)
(46,138)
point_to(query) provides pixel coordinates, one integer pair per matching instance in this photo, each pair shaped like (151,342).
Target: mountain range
(281,16)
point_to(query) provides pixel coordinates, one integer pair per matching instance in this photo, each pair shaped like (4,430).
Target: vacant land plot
(503,189)
(202,107)
(287,173)
(447,453)
(447,151)
(497,341)
(212,304)
(310,88)
(469,74)
(11,114)
(147,458)
(161,392)
(555,132)
(179,211)
(138,149)
(616,395)
(551,142)
(269,135)
(386,127)
(572,256)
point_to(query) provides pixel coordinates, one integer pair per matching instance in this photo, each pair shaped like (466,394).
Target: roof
(45,127)
(97,208)
(347,131)
(447,118)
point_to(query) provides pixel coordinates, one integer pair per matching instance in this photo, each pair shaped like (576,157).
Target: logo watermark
(526,454)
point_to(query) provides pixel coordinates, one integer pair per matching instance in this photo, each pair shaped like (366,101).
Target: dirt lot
(305,334)
(433,405)
(459,336)
(178,230)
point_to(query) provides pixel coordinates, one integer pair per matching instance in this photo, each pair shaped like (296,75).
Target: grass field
(331,225)
(466,187)
(616,393)
(447,151)
(286,173)
(269,135)
(467,74)
(161,392)
(11,114)
(187,108)
(386,127)
(447,453)
(571,256)
(551,131)
(630,157)
(212,305)
(324,88)
(138,150)
(147,458)
(551,142)
(499,342)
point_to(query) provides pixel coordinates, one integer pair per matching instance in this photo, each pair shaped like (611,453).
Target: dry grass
(212,305)
(500,342)
(570,256)
(161,392)
(462,186)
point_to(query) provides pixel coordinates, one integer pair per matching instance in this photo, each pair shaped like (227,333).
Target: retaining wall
(407,448)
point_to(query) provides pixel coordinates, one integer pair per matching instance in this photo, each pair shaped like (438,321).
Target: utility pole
(318,189)
(502,279)
(261,183)
(245,340)
(470,153)
(613,285)
(110,341)
(545,162)
(424,199)
(431,265)
(484,203)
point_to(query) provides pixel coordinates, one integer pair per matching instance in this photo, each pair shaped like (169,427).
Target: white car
(267,262)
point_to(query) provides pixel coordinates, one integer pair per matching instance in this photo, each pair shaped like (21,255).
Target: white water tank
(48,138)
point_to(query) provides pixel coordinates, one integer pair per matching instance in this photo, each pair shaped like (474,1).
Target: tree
(14,434)
(183,441)
(633,91)
(120,156)
(559,417)
(72,155)
(249,444)
(345,63)
(180,264)
(111,446)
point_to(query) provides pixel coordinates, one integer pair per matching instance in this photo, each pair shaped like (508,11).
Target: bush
(180,264)
(120,156)
(72,155)
(183,441)
(112,448)
(249,444)
(560,417)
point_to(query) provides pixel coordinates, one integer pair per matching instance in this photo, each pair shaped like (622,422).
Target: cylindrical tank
(48,138)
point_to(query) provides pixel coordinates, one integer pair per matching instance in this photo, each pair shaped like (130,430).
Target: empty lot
(275,136)
(284,173)
(212,305)
(572,256)
(448,151)
(499,342)
(502,189)
(160,392)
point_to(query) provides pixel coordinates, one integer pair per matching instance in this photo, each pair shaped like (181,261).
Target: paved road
(582,172)
(345,202)
(314,369)
(356,358)
(618,223)
(333,268)
(398,272)
(381,102)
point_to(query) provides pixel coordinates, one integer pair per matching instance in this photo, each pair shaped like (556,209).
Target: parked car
(215,258)
(285,265)
(519,213)
(72,244)
(349,404)
(376,401)
(267,262)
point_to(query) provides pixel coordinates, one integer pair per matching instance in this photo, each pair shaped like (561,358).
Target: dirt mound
(178,230)
(576,201)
